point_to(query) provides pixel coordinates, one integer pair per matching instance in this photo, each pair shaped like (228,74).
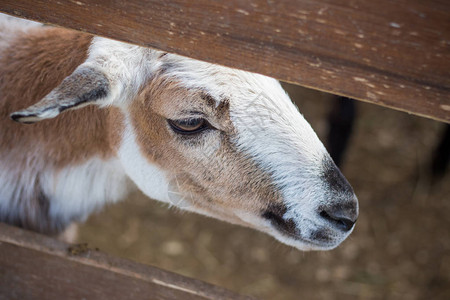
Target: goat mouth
(319,239)
(287,228)
(274,214)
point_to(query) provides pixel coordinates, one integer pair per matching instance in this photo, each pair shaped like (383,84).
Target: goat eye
(188,126)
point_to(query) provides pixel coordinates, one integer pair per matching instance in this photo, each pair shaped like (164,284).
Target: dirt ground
(400,248)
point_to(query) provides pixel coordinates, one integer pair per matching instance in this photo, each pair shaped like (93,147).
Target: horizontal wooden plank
(394,53)
(33,266)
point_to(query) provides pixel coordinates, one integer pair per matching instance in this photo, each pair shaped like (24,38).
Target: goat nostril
(345,224)
(340,222)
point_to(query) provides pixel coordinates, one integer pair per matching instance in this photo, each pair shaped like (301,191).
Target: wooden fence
(394,53)
(33,266)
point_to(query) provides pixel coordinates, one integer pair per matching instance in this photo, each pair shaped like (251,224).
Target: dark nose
(339,218)
(343,209)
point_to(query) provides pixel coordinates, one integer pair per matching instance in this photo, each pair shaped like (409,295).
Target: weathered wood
(394,53)
(33,266)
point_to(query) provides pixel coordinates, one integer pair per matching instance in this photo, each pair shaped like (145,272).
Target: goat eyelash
(181,126)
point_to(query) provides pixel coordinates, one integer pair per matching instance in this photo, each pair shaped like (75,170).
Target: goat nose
(344,212)
(341,218)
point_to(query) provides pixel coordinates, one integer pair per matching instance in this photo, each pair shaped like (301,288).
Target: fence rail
(33,266)
(394,53)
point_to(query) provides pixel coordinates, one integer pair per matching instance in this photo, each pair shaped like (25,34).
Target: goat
(209,139)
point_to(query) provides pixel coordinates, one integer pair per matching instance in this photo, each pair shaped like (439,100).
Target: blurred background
(400,248)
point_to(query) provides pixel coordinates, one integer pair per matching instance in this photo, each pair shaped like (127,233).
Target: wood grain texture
(394,53)
(34,266)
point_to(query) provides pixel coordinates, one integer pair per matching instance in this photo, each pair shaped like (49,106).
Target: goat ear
(86,85)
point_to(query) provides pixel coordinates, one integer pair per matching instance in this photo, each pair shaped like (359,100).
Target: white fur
(77,191)
(10,27)
(127,66)
(73,192)
(13,188)
(150,179)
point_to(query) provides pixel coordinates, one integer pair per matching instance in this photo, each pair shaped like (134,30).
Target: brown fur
(34,65)
(207,177)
